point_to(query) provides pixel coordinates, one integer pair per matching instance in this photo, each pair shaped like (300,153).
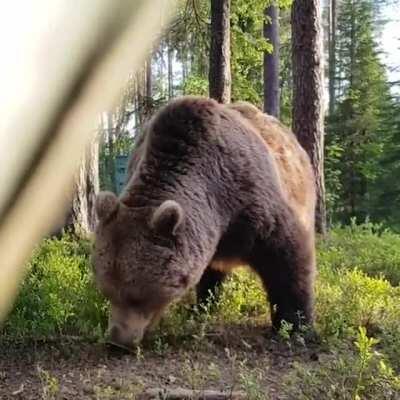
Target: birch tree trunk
(308,92)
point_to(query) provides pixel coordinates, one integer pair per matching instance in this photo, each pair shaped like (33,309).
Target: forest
(327,70)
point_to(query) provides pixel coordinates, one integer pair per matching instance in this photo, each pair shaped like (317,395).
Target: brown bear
(212,186)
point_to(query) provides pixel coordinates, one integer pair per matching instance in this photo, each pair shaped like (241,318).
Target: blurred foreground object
(62,65)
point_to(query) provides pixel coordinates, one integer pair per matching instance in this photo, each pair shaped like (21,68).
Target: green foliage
(250,383)
(361,127)
(350,374)
(348,299)
(286,79)
(191,37)
(368,247)
(356,264)
(364,345)
(57,296)
(247,46)
(388,196)
(196,85)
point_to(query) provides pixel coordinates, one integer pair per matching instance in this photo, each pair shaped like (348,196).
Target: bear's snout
(124,337)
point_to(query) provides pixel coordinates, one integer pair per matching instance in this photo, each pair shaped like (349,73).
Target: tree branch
(186,394)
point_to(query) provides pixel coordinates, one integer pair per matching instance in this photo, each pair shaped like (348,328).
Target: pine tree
(307,93)
(356,135)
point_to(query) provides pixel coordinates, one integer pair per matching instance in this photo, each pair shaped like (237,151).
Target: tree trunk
(161,66)
(185,72)
(148,106)
(271,62)
(308,92)
(140,95)
(332,55)
(170,56)
(149,81)
(108,125)
(82,218)
(220,68)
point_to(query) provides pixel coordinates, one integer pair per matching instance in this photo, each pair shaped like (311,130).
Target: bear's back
(203,116)
(293,164)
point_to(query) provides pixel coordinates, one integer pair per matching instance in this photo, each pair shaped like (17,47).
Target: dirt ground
(226,360)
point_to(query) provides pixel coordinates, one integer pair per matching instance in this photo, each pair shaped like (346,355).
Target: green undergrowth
(57,296)
(350,373)
(357,311)
(368,247)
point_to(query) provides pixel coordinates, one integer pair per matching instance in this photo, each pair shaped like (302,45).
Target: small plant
(160,345)
(214,371)
(285,330)
(232,359)
(250,382)
(364,345)
(193,374)
(121,391)
(139,353)
(50,384)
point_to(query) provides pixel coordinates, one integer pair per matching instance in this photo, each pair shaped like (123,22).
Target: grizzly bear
(212,187)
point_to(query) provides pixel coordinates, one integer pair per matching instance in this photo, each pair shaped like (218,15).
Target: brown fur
(211,187)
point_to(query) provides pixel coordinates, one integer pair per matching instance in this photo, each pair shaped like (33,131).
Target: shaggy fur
(211,187)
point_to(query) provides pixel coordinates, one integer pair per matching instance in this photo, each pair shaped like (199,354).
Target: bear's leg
(208,288)
(287,271)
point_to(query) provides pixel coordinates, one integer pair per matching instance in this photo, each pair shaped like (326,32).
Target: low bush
(367,247)
(57,296)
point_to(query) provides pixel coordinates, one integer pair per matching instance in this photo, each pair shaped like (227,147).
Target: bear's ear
(167,218)
(106,205)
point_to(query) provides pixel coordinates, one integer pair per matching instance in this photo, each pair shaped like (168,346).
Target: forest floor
(234,359)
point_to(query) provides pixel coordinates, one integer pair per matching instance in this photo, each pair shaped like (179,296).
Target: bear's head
(138,263)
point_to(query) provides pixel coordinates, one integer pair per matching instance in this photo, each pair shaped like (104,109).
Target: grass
(357,308)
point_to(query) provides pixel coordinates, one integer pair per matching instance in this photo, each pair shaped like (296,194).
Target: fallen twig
(187,394)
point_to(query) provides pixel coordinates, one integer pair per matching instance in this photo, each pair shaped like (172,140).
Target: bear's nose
(117,337)
(124,338)
(115,333)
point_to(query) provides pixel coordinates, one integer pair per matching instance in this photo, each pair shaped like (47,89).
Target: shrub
(358,373)
(58,296)
(368,247)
